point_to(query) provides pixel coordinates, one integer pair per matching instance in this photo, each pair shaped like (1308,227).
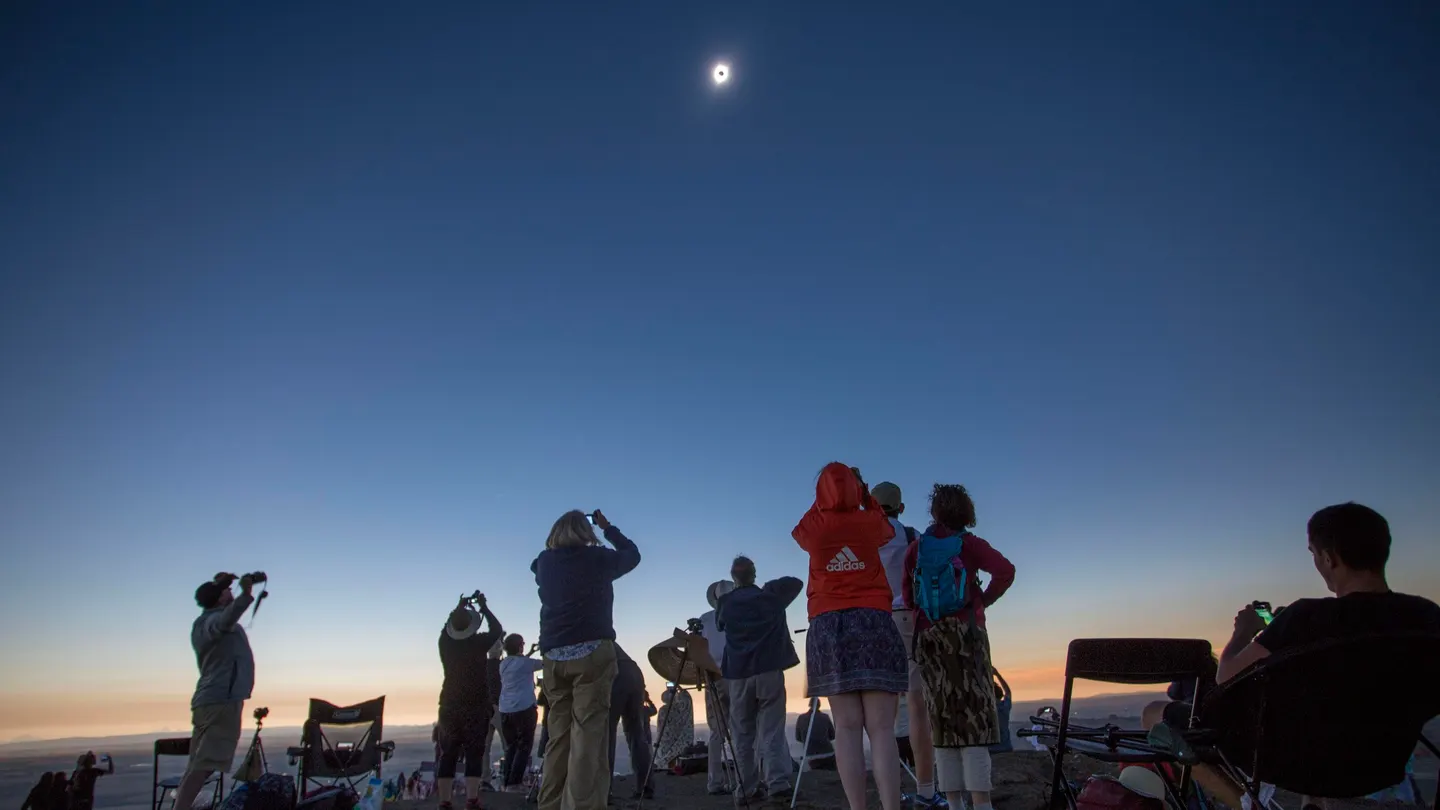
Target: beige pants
(577,761)
(216,733)
(905,622)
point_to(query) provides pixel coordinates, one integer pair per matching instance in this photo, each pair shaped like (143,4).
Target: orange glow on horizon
(42,716)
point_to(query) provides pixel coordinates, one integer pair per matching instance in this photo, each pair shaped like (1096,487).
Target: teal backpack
(939,582)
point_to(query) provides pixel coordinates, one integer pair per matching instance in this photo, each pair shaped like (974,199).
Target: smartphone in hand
(1264,611)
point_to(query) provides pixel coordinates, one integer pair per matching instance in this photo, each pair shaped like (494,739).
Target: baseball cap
(887,494)
(208,594)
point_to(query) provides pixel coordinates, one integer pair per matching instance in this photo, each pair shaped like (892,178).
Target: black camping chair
(1135,661)
(341,744)
(1337,719)
(160,788)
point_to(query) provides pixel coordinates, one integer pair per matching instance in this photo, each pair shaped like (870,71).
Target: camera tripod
(255,753)
(707,682)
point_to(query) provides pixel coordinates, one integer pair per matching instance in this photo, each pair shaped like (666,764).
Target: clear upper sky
(366,294)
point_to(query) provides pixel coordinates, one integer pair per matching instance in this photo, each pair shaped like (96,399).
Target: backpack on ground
(940,580)
(272,791)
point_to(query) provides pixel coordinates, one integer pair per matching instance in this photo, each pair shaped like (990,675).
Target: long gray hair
(572,530)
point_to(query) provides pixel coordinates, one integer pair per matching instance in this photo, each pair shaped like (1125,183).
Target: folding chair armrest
(295,752)
(387,749)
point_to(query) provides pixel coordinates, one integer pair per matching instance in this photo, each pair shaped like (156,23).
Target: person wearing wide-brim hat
(717,697)
(466,704)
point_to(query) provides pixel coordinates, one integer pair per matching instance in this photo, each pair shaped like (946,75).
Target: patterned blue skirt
(855,650)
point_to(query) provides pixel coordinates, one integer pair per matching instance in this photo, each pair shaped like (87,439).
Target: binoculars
(226,580)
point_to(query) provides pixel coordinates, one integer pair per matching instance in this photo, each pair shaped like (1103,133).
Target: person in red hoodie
(954,652)
(853,654)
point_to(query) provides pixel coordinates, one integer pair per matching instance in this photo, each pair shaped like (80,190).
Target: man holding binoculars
(227,674)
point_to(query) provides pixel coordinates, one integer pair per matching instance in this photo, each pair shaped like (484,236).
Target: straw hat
(718,589)
(469,629)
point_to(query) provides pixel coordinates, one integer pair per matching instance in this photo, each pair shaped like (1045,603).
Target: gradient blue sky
(366,294)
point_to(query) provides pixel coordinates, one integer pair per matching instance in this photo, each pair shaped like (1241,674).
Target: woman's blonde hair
(572,530)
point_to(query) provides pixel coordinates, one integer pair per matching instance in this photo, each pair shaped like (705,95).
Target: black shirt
(467,672)
(492,679)
(82,786)
(820,736)
(1355,615)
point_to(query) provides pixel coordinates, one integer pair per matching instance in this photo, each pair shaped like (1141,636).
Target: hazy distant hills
(277,737)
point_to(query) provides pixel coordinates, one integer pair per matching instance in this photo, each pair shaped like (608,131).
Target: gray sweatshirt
(227,667)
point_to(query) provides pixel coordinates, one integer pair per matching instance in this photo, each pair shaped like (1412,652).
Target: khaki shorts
(905,622)
(216,734)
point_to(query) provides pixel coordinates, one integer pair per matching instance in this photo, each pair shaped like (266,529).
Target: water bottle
(374,794)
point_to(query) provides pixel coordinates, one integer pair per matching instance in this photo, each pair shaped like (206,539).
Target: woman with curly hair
(953,649)
(854,655)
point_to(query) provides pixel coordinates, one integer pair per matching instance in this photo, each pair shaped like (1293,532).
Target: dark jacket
(493,680)
(466,663)
(821,737)
(577,590)
(757,638)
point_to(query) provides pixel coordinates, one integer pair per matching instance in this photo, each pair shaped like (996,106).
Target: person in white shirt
(517,709)
(892,557)
(717,698)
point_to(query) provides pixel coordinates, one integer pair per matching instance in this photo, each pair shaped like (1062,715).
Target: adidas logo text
(845,561)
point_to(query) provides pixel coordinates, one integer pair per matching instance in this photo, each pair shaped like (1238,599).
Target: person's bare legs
(848,712)
(880,708)
(921,745)
(444,788)
(472,788)
(190,786)
(1210,780)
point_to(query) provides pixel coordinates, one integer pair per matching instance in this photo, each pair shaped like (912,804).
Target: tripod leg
(727,740)
(644,782)
(805,752)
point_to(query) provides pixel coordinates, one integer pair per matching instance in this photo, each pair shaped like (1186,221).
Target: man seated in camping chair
(1350,545)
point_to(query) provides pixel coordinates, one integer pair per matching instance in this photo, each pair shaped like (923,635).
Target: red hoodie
(844,543)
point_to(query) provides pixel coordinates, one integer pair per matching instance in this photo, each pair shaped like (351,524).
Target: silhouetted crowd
(893,611)
(76,791)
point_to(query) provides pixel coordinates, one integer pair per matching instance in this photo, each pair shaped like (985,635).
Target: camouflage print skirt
(954,658)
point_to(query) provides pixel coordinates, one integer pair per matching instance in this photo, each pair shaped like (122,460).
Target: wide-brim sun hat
(470,629)
(1143,781)
(718,589)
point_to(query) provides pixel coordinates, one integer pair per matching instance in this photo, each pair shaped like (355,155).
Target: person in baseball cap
(892,557)
(888,495)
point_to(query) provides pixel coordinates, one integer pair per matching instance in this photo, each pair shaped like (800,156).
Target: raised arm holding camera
(466,705)
(576,579)
(227,676)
